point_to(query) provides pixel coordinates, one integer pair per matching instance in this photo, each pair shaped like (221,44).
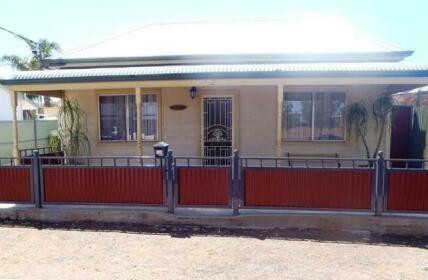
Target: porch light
(161,149)
(192,92)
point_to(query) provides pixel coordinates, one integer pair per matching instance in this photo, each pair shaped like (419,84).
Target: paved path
(31,253)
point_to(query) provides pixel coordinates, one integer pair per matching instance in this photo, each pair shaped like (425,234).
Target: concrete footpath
(323,221)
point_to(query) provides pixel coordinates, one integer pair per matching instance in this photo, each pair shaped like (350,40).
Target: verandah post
(236,174)
(139,120)
(380,183)
(169,164)
(36,178)
(15,144)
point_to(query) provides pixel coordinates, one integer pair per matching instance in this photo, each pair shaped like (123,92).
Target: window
(314,116)
(118,117)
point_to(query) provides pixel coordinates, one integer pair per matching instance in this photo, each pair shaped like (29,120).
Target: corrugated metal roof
(299,34)
(218,71)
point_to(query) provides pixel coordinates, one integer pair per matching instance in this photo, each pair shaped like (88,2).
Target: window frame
(312,92)
(127,121)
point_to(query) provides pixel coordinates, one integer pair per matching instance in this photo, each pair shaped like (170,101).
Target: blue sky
(73,23)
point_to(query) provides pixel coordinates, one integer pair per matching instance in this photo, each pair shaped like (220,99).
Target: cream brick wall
(255,121)
(181,129)
(257,127)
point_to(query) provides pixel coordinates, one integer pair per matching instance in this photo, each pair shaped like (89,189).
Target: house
(265,87)
(36,108)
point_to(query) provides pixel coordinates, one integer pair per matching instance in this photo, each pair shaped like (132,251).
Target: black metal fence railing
(102,161)
(15,161)
(298,162)
(392,180)
(202,161)
(48,151)
(407,164)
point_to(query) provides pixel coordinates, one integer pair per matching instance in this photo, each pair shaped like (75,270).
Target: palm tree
(35,62)
(40,50)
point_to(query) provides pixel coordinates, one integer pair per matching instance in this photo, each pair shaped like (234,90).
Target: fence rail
(407,164)
(202,161)
(15,161)
(48,151)
(101,161)
(374,186)
(299,162)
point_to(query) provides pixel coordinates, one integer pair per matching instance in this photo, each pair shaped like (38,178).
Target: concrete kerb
(395,225)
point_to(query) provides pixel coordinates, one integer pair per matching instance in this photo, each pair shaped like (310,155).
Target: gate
(203,181)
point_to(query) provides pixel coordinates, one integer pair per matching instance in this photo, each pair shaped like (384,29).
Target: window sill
(126,142)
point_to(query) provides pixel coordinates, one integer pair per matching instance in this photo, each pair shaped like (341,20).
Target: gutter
(392,56)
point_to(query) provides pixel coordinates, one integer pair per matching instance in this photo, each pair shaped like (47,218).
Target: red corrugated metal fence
(273,187)
(103,185)
(408,190)
(203,186)
(15,184)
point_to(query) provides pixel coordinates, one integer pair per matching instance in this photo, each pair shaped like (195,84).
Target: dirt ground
(93,251)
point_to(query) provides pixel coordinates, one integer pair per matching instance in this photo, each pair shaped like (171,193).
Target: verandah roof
(216,71)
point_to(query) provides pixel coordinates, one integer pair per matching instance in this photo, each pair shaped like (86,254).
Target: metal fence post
(35,133)
(36,180)
(236,182)
(380,183)
(169,165)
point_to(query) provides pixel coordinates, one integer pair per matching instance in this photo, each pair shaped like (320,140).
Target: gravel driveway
(46,252)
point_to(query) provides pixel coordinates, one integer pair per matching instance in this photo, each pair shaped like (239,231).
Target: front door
(217,126)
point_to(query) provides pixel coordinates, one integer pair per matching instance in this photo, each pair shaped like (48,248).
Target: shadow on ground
(187,231)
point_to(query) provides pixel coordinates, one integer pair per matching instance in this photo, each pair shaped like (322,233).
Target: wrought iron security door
(217,127)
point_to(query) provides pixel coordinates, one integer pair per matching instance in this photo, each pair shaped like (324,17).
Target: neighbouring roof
(416,97)
(287,40)
(421,90)
(215,71)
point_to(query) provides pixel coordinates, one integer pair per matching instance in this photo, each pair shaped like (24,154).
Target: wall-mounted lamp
(192,92)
